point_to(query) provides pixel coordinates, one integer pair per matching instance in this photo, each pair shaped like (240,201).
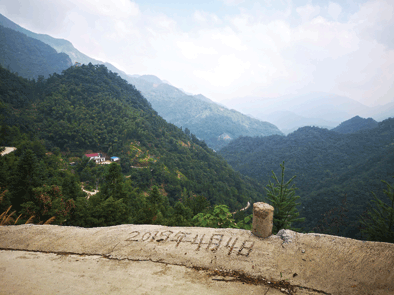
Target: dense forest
(355,124)
(28,57)
(53,122)
(335,173)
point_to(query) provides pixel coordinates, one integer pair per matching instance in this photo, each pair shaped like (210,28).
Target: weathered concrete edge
(343,259)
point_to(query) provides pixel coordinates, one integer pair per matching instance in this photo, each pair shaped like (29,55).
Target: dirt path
(8,150)
(243,209)
(89,192)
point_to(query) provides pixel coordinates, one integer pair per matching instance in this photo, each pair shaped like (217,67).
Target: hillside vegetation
(335,172)
(90,109)
(355,124)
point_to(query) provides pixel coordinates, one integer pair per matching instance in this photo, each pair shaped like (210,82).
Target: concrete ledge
(311,263)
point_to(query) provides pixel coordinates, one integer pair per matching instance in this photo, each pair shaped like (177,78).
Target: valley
(184,160)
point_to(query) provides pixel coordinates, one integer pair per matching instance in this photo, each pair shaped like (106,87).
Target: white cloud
(227,69)
(308,12)
(232,2)
(116,9)
(334,10)
(264,51)
(192,51)
(206,17)
(229,38)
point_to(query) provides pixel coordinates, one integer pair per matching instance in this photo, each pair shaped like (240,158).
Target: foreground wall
(289,262)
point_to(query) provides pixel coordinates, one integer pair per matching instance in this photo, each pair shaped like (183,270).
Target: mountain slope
(91,108)
(60,45)
(355,124)
(29,57)
(215,124)
(329,167)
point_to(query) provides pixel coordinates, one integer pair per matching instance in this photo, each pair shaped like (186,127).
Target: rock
(263,215)
(286,235)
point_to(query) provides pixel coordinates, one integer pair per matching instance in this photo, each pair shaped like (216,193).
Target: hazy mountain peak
(151,78)
(203,98)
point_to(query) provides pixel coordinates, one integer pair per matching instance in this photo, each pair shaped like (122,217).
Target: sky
(228,49)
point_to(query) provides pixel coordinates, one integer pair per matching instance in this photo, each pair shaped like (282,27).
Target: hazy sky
(232,48)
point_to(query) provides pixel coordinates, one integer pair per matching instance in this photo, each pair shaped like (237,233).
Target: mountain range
(209,121)
(313,109)
(213,123)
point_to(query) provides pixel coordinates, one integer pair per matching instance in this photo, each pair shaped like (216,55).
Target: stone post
(263,216)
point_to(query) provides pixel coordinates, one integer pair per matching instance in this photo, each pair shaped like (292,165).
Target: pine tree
(281,195)
(25,178)
(379,222)
(113,183)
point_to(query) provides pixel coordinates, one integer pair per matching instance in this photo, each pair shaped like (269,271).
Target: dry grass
(30,220)
(50,220)
(7,218)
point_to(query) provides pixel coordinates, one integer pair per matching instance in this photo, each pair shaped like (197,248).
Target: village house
(115,159)
(98,158)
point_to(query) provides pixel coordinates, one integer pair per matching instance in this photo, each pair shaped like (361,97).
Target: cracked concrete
(160,259)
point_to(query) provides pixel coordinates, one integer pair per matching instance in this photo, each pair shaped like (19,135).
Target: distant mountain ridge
(60,45)
(216,124)
(204,118)
(320,109)
(29,57)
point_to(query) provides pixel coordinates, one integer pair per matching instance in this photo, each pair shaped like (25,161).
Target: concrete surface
(33,273)
(172,260)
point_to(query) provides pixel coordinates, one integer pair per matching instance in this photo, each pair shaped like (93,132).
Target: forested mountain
(355,124)
(213,123)
(90,108)
(29,57)
(330,168)
(208,121)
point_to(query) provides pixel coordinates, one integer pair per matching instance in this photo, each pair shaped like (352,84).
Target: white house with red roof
(98,158)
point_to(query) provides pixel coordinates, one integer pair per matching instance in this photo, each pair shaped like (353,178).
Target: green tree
(379,222)
(113,183)
(281,195)
(25,179)
(98,211)
(47,202)
(182,215)
(219,218)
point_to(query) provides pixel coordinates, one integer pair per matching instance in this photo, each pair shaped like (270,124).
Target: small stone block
(263,216)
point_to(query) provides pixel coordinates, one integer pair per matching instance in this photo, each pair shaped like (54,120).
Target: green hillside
(331,168)
(355,124)
(29,57)
(90,109)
